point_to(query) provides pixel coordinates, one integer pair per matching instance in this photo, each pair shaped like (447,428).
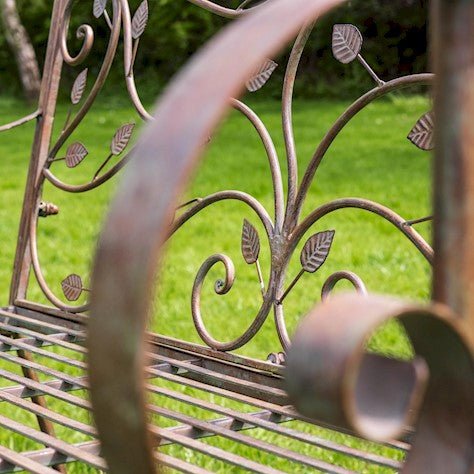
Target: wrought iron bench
(308,403)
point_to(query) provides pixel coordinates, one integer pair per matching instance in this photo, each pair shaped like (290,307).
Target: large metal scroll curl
(330,377)
(125,265)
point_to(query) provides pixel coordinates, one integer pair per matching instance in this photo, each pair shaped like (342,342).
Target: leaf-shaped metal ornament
(346,43)
(421,134)
(140,20)
(316,250)
(72,287)
(250,243)
(99,7)
(121,138)
(261,76)
(75,154)
(79,87)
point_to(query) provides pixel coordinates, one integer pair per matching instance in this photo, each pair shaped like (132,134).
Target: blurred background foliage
(395,43)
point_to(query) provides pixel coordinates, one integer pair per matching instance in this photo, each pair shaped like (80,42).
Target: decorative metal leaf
(72,287)
(261,76)
(316,250)
(421,134)
(99,7)
(79,87)
(121,138)
(250,243)
(346,43)
(75,154)
(140,20)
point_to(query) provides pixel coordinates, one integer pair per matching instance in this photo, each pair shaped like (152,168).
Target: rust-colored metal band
(346,380)
(128,249)
(332,378)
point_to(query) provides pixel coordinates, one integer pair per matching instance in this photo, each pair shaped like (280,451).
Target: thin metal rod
(23,462)
(42,324)
(262,420)
(217,430)
(17,123)
(188,203)
(216,453)
(370,70)
(41,352)
(44,370)
(47,388)
(292,284)
(419,221)
(272,155)
(107,19)
(180,465)
(32,341)
(47,456)
(47,414)
(267,391)
(66,122)
(102,166)
(39,153)
(260,276)
(59,340)
(287,114)
(52,442)
(366,205)
(134,56)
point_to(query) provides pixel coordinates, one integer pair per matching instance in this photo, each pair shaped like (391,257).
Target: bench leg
(45,425)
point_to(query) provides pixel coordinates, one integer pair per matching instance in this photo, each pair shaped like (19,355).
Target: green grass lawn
(371,158)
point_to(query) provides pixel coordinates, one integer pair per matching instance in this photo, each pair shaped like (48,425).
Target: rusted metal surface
(118,300)
(329,376)
(454,172)
(254,387)
(377,396)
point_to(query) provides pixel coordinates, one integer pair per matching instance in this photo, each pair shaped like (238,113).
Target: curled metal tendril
(335,278)
(221,287)
(84,32)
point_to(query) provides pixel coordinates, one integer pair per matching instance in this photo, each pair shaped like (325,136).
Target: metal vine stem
(286,228)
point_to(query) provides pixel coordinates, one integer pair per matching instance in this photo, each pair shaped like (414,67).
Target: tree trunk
(20,44)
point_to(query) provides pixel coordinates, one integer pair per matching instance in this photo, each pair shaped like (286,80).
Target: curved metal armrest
(125,265)
(131,242)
